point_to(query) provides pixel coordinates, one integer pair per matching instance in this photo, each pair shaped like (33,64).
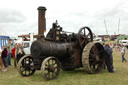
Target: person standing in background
(127,47)
(119,47)
(1,62)
(19,52)
(123,53)
(9,49)
(14,55)
(111,46)
(4,58)
(109,58)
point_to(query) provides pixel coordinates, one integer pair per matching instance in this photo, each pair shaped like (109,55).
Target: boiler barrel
(47,48)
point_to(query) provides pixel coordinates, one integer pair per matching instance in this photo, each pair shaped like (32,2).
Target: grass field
(76,77)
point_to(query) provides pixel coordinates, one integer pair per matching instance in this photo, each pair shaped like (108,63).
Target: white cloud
(71,15)
(11,16)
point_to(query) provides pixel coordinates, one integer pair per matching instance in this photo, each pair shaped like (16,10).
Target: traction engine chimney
(41,21)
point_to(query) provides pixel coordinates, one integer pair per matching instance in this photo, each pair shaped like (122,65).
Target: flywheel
(93,58)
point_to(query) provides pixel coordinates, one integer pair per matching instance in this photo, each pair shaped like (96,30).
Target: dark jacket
(4,53)
(108,51)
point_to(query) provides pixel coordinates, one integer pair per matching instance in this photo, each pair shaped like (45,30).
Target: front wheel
(25,66)
(50,68)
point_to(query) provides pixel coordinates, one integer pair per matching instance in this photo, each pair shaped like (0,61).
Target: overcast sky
(21,16)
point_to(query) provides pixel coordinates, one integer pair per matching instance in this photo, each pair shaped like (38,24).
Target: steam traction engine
(61,49)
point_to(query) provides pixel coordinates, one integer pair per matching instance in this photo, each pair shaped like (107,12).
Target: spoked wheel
(84,36)
(50,68)
(93,57)
(25,66)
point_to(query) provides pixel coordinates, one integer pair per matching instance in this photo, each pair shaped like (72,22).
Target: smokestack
(41,21)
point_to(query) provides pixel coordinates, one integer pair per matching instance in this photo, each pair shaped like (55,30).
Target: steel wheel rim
(26,66)
(50,68)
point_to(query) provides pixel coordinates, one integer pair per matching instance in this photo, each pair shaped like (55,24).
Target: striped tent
(3,41)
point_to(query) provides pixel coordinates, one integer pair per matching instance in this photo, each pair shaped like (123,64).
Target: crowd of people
(121,48)
(16,51)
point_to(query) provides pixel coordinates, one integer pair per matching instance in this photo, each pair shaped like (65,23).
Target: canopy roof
(1,36)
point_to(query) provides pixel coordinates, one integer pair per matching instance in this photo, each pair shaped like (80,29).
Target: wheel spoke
(22,69)
(88,35)
(48,62)
(82,43)
(94,67)
(48,74)
(84,32)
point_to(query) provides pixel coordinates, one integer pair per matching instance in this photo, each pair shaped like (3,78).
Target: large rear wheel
(93,58)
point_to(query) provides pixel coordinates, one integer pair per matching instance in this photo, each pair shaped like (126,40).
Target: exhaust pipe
(41,21)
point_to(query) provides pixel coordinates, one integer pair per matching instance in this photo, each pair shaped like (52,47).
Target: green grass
(76,77)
